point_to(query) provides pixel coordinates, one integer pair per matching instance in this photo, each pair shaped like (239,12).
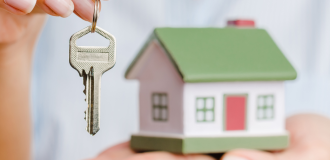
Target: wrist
(13,54)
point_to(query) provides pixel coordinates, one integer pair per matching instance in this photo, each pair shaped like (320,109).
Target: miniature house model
(207,90)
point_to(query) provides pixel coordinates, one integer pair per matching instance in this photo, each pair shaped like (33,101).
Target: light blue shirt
(301,28)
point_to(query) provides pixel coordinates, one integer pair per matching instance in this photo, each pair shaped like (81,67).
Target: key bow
(102,58)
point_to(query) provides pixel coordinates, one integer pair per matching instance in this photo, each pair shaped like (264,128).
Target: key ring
(95,15)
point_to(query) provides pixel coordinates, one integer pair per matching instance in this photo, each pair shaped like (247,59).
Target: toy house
(208,90)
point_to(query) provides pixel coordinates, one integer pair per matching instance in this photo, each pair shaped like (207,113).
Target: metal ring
(96,14)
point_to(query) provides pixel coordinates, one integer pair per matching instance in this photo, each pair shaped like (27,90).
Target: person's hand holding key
(21,22)
(63,8)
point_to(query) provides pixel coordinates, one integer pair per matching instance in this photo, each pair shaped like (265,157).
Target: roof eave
(152,37)
(130,67)
(281,76)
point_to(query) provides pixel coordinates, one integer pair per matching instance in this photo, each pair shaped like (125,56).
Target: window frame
(265,107)
(204,109)
(160,107)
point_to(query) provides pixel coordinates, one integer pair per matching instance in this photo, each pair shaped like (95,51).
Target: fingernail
(233,158)
(25,6)
(63,8)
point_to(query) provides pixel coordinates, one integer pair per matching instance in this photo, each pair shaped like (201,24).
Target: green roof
(223,54)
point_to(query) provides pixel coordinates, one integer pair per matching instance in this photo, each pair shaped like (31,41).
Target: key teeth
(85,116)
(84,75)
(84,91)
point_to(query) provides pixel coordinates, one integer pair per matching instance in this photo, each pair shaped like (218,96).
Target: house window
(205,109)
(265,110)
(159,106)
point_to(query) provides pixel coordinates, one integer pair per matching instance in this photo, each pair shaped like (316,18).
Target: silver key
(91,63)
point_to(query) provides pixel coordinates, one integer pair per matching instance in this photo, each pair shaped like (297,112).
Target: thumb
(19,7)
(247,154)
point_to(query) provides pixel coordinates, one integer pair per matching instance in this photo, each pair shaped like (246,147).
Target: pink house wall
(157,74)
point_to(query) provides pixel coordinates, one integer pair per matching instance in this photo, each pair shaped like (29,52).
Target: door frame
(224,109)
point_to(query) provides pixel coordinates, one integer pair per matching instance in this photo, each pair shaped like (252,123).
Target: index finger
(19,7)
(82,8)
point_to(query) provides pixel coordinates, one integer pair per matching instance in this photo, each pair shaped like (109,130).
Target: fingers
(124,152)
(300,152)
(118,152)
(84,9)
(246,154)
(19,7)
(62,8)
(168,156)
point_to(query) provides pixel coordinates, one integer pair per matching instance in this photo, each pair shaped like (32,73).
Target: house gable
(159,79)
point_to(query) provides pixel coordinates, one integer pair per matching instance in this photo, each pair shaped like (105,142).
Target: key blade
(92,98)
(86,82)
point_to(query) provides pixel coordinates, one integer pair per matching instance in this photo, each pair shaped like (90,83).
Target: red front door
(235,112)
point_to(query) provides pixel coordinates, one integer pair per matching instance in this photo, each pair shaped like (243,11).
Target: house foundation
(187,145)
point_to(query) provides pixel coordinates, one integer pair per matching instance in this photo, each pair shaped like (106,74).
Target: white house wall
(218,90)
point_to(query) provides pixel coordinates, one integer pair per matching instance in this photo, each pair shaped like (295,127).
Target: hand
(309,140)
(17,22)
(63,8)
(123,152)
(18,35)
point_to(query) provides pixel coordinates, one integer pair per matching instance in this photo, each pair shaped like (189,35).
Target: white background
(301,28)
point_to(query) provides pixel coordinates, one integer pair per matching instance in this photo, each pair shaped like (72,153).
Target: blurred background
(299,27)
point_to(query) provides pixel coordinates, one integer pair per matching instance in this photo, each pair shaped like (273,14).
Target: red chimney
(241,23)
